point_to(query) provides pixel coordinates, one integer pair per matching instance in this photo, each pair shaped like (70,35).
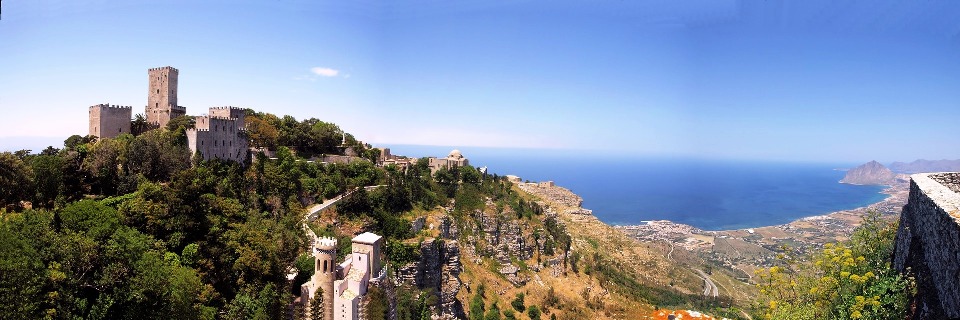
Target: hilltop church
(217,135)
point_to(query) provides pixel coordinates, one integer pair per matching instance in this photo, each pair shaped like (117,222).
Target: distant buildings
(345,284)
(453,160)
(218,135)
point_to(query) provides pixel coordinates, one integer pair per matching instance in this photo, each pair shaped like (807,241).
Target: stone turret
(109,121)
(162,96)
(325,272)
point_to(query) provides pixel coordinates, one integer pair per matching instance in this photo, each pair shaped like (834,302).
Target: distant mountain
(870,173)
(921,165)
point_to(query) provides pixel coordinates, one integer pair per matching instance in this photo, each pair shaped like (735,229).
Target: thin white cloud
(326,72)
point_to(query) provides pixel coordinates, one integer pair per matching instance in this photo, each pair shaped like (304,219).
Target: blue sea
(707,194)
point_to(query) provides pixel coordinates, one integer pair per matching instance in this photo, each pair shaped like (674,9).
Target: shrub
(846,280)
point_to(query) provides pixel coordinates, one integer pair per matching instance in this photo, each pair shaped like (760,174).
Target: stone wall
(230,113)
(108,121)
(928,244)
(218,138)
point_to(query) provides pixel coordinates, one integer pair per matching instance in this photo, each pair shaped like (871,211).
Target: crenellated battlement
(164,68)
(326,243)
(105,105)
(227,108)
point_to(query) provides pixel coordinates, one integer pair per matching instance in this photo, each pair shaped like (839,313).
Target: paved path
(315,209)
(709,288)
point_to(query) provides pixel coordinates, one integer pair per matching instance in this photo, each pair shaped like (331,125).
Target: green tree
(181,123)
(21,277)
(139,125)
(316,305)
(477,306)
(262,133)
(376,303)
(103,165)
(533,312)
(518,303)
(16,180)
(48,176)
(493,313)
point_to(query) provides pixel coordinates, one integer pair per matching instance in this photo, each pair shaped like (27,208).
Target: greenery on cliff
(847,280)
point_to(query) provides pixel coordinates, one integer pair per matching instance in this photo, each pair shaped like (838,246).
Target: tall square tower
(109,121)
(162,96)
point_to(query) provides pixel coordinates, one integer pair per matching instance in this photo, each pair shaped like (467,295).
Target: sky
(759,80)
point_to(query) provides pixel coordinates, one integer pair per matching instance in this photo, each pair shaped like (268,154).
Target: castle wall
(162,96)
(927,243)
(229,113)
(107,121)
(218,138)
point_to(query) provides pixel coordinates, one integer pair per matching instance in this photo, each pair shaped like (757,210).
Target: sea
(708,194)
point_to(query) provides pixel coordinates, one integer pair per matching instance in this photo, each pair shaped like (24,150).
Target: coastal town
(739,250)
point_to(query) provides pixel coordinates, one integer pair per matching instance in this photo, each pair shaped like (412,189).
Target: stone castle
(218,135)
(162,97)
(343,285)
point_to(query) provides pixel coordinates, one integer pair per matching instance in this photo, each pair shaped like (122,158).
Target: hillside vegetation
(131,227)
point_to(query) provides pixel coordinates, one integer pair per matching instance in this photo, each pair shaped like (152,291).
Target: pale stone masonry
(162,96)
(219,135)
(928,244)
(109,121)
(344,284)
(453,160)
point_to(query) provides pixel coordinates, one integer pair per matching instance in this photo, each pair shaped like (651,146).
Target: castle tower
(230,113)
(109,121)
(325,253)
(162,96)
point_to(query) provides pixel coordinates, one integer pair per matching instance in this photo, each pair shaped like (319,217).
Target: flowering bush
(847,280)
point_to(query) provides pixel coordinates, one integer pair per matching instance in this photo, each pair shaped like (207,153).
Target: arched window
(325,266)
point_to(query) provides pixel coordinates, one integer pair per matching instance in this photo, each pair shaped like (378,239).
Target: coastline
(742,250)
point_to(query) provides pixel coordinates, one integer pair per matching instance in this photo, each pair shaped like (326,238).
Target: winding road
(709,288)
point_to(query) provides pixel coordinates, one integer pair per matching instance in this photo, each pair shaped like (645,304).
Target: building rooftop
(367,238)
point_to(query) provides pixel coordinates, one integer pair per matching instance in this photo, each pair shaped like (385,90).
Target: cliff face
(438,268)
(870,173)
(928,244)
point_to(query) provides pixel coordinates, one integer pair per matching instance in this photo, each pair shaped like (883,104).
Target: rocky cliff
(928,244)
(438,268)
(870,173)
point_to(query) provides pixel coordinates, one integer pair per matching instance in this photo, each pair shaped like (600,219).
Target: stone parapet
(927,244)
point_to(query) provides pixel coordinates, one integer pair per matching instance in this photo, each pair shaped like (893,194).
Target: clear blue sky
(765,80)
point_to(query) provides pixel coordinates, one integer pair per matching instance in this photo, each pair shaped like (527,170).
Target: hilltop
(922,165)
(870,173)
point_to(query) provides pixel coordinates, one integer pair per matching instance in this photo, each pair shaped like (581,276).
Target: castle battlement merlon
(105,105)
(164,68)
(326,242)
(227,108)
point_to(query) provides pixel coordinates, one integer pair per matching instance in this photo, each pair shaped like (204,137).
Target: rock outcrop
(928,244)
(870,173)
(438,268)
